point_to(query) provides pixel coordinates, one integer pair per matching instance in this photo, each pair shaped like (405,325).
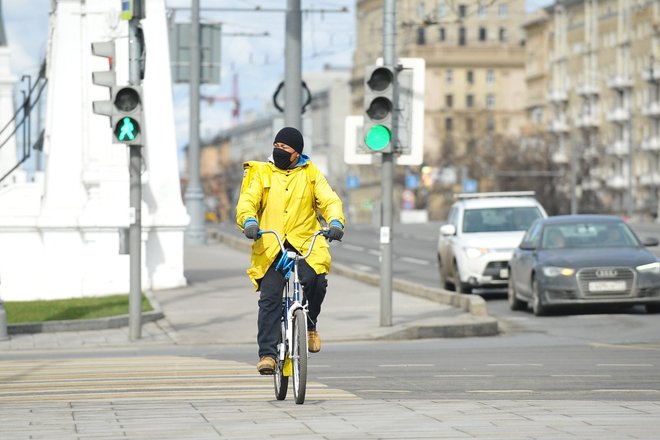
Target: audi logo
(606,273)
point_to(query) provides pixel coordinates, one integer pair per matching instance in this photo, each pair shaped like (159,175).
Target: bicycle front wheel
(280,379)
(299,355)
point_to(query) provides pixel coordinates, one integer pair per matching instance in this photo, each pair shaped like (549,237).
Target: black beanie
(292,137)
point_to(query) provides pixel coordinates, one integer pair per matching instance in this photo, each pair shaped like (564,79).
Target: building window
(490,76)
(421,10)
(462,11)
(469,101)
(504,10)
(490,101)
(449,75)
(490,123)
(449,124)
(442,33)
(503,34)
(449,101)
(483,11)
(461,36)
(470,77)
(421,36)
(482,34)
(469,125)
(442,10)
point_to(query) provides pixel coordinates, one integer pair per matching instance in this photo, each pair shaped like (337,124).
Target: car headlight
(553,271)
(649,268)
(472,252)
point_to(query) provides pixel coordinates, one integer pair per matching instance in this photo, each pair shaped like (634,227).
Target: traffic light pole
(387,170)
(135,172)
(293,66)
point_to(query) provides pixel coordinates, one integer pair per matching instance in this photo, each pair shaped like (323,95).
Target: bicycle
(292,351)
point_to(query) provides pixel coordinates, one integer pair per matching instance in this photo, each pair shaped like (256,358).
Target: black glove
(334,233)
(251,229)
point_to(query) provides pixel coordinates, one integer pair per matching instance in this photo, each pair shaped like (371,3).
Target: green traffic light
(127,129)
(378,137)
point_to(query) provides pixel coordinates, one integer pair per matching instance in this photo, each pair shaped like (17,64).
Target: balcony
(650,178)
(651,144)
(591,184)
(617,182)
(651,75)
(618,148)
(558,126)
(620,82)
(651,109)
(560,157)
(618,115)
(587,121)
(558,96)
(587,89)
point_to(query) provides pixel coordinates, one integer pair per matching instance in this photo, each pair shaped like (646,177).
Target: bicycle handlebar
(281,243)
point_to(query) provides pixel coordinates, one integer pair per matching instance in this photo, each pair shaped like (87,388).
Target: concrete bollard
(3,323)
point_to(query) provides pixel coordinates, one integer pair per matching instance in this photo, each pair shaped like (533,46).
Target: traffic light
(378,107)
(127,115)
(105,78)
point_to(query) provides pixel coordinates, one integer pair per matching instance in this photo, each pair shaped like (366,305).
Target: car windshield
(499,219)
(588,235)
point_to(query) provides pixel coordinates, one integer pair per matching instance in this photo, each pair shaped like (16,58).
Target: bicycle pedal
(288,368)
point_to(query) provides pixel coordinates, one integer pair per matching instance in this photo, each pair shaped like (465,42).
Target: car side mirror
(448,229)
(650,242)
(527,246)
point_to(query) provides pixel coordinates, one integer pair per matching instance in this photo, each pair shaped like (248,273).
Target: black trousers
(270,303)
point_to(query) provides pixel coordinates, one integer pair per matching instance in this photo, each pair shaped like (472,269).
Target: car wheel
(514,302)
(538,307)
(652,308)
(458,286)
(444,284)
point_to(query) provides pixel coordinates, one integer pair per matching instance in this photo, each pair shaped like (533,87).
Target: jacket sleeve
(249,202)
(327,199)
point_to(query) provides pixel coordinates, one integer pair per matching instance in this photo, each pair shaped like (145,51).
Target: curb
(476,323)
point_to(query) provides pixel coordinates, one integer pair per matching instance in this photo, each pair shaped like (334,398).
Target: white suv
(479,237)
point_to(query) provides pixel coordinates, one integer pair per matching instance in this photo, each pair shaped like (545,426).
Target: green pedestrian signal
(127,129)
(378,138)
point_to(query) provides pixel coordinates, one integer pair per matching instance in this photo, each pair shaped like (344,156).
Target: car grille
(612,276)
(493,269)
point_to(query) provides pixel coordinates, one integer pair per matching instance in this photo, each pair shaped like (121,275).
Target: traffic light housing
(127,115)
(105,78)
(379,108)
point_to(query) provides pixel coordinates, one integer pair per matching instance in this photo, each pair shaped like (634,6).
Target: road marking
(142,377)
(374,252)
(642,346)
(464,375)
(499,391)
(624,391)
(415,261)
(385,391)
(405,365)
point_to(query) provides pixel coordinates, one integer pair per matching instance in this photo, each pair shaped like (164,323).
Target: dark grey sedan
(583,259)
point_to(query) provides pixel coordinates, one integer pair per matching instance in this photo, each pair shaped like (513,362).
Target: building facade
(475,80)
(593,95)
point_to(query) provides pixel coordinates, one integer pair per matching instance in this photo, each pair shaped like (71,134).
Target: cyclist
(295,190)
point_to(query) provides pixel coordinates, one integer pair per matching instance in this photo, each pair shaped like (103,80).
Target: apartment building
(475,76)
(593,93)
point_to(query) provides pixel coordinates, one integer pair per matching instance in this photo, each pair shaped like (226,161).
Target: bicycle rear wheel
(280,380)
(299,356)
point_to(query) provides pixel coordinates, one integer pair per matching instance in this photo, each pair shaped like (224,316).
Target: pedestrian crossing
(142,378)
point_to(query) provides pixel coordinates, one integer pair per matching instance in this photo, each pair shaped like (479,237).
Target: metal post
(194,198)
(3,322)
(293,66)
(387,173)
(135,175)
(574,161)
(630,210)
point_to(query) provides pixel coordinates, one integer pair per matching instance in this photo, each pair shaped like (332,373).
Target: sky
(257,61)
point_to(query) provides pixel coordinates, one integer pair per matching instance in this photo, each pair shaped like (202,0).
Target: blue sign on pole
(412,181)
(469,185)
(352,182)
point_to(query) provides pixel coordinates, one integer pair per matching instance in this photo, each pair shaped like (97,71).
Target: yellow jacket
(289,209)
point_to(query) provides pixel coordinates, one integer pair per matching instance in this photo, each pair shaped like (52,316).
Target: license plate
(607,286)
(504,273)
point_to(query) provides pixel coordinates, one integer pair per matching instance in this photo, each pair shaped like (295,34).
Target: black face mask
(281,158)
